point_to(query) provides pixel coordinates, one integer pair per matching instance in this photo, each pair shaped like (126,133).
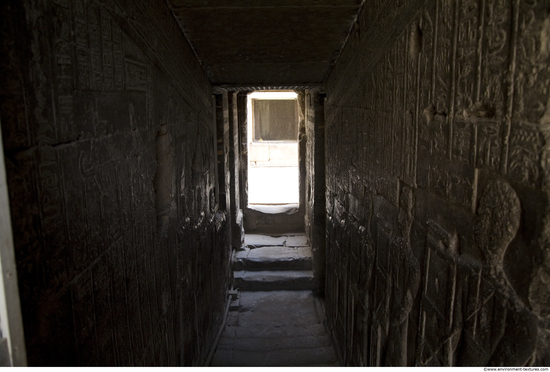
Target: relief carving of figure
(404,280)
(496,224)
(498,328)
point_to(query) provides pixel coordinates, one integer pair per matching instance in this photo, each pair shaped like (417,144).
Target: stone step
(275,328)
(273,280)
(275,358)
(273,258)
(273,343)
(288,240)
(269,333)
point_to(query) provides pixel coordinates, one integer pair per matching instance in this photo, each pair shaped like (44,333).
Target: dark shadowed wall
(437,119)
(315,215)
(109,140)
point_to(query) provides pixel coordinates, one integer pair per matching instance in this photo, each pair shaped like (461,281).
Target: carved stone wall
(315,180)
(110,151)
(437,122)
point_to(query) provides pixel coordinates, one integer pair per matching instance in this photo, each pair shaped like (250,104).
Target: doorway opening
(273,173)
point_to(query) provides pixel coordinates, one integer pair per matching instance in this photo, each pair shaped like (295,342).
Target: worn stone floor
(277,320)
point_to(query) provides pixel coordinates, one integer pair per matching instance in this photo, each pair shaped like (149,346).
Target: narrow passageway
(394,155)
(276,319)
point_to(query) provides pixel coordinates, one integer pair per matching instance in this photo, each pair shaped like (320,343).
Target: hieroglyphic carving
(455,182)
(381,295)
(378,87)
(410,119)
(425,143)
(329,133)
(440,327)
(497,328)
(366,287)
(467,314)
(489,144)
(399,107)
(68,202)
(63,57)
(150,100)
(462,187)
(135,75)
(426,27)
(496,51)
(74,205)
(437,180)
(525,150)
(362,144)
(533,72)
(444,44)
(368,138)
(107,49)
(349,128)
(355,117)
(404,279)
(81,35)
(387,123)
(408,147)
(179,62)
(466,79)
(463,138)
(484,314)
(388,67)
(388,111)
(466,59)
(433,132)
(52,214)
(118,56)
(107,183)
(94,34)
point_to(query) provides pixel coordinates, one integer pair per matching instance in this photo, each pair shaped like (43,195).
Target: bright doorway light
(273,176)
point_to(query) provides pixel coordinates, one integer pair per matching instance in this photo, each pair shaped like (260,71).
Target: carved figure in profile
(498,328)
(403,284)
(496,224)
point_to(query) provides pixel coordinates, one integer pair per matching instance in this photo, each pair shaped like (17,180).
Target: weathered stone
(108,129)
(275,280)
(274,332)
(291,357)
(274,258)
(276,328)
(423,176)
(433,158)
(263,344)
(256,240)
(296,241)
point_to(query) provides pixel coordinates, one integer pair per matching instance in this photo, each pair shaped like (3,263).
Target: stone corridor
(275,319)
(277,328)
(421,231)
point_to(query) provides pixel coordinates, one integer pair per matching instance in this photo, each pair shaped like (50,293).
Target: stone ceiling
(266,42)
